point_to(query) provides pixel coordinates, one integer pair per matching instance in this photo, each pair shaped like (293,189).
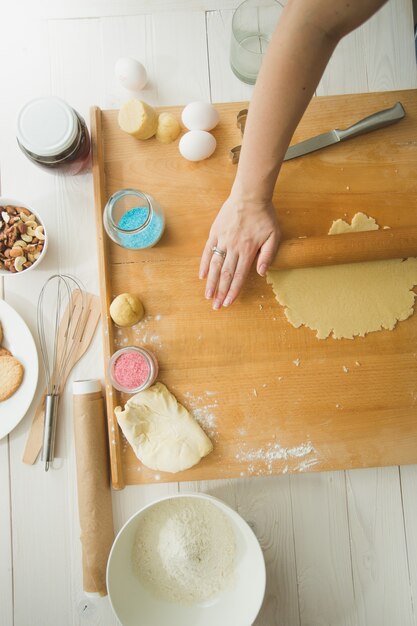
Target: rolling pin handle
(359,247)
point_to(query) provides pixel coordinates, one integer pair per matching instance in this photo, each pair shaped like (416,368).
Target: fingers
(225,279)
(205,259)
(242,270)
(267,253)
(214,272)
(242,236)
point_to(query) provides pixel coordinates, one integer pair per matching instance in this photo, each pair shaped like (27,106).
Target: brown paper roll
(93,482)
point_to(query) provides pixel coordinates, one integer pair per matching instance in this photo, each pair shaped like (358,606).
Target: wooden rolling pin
(372,245)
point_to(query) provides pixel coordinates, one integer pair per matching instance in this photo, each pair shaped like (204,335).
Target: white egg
(200,116)
(197,145)
(131,74)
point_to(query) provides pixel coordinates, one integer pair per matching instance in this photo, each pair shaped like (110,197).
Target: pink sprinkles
(131,370)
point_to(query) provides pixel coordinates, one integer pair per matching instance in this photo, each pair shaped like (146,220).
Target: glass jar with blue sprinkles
(133,219)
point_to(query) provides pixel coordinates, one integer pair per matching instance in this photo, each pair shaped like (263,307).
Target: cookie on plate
(11,376)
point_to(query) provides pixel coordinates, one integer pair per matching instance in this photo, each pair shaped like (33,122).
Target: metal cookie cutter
(241,123)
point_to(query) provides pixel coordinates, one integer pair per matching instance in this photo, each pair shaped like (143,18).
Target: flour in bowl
(184,550)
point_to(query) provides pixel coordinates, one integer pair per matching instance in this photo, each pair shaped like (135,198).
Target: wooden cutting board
(273,398)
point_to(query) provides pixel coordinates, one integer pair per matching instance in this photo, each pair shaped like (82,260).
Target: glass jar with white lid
(54,136)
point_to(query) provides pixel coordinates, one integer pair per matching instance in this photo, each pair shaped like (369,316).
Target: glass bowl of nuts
(23,239)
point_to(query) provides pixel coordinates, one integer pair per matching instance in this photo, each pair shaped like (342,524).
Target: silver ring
(216,250)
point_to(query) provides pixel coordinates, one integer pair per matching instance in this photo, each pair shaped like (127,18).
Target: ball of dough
(126,310)
(139,119)
(168,128)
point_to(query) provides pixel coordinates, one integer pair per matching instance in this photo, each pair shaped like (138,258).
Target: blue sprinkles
(133,219)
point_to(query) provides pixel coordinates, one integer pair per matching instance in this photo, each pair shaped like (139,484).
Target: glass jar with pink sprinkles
(133,369)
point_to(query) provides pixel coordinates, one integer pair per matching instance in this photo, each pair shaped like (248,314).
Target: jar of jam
(54,136)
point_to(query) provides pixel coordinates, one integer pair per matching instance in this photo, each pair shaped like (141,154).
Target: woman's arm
(301,46)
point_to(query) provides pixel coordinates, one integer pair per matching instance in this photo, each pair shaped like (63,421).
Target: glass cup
(253,23)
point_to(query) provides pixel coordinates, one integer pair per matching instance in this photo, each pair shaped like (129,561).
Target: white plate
(18,339)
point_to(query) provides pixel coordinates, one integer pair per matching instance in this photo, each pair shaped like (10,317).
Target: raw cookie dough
(345,301)
(138,119)
(359,222)
(126,310)
(162,433)
(168,128)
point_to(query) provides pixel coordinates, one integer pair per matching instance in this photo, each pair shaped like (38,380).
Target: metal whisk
(60,318)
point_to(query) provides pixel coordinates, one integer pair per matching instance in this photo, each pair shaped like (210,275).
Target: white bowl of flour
(186,560)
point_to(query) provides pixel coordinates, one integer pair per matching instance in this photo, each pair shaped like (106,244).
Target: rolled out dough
(162,433)
(349,300)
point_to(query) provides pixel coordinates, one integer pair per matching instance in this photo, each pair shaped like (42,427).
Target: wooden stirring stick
(372,245)
(92,316)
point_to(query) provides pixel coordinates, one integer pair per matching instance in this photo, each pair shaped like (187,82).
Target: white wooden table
(340,548)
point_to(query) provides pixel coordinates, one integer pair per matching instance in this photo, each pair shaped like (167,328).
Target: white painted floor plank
(346,71)
(73,9)
(322,550)
(379,558)
(408,479)
(389,47)
(180,57)
(379,55)
(6,563)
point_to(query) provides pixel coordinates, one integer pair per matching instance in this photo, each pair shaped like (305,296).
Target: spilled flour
(261,460)
(184,550)
(139,334)
(203,410)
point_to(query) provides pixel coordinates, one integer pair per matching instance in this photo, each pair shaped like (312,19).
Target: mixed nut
(21,238)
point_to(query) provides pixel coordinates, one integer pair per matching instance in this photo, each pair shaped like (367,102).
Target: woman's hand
(240,230)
